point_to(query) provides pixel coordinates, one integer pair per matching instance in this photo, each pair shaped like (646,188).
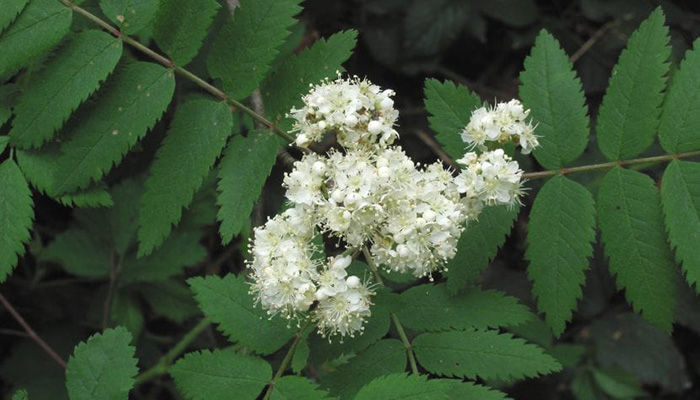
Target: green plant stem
(395,318)
(608,165)
(185,73)
(287,359)
(161,367)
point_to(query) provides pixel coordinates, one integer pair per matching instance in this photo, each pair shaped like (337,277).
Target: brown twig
(33,335)
(597,35)
(435,147)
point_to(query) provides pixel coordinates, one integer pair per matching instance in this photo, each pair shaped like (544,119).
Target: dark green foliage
(220,374)
(130,15)
(71,76)
(681,111)
(484,354)
(185,161)
(16,216)
(429,307)
(103,367)
(478,245)
(297,388)
(552,91)
(181,25)
(244,168)
(39,27)
(450,107)
(561,230)
(246,45)
(227,302)
(680,197)
(11,9)
(631,226)
(384,357)
(629,115)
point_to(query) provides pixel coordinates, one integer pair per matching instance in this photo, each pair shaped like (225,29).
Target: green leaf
(126,311)
(382,358)
(246,45)
(680,198)
(8,96)
(3,143)
(478,245)
(103,367)
(553,93)
(79,253)
(20,395)
(220,374)
(64,83)
(227,302)
(450,107)
(244,169)
(16,216)
(181,249)
(430,308)
(680,118)
(284,87)
(402,386)
(560,237)
(130,15)
(38,28)
(181,26)
(93,196)
(132,102)
(419,387)
(11,8)
(632,232)
(196,137)
(629,114)
(301,355)
(486,354)
(297,388)
(618,383)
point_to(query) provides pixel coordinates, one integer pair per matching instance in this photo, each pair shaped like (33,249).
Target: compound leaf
(629,114)
(16,216)
(484,354)
(560,234)
(103,367)
(553,93)
(450,107)
(246,45)
(632,232)
(219,374)
(680,118)
(181,25)
(680,198)
(430,308)
(68,79)
(196,137)
(227,302)
(38,28)
(245,167)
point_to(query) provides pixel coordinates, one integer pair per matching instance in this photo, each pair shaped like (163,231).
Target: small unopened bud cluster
(506,122)
(372,195)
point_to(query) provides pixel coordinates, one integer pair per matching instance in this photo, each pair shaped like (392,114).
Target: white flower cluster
(506,122)
(357,111)
(369,195)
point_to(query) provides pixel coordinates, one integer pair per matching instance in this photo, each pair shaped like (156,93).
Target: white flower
(492,177)
(345,311)
(506,122)
(360,113)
